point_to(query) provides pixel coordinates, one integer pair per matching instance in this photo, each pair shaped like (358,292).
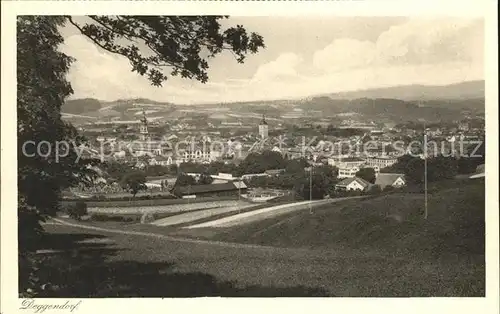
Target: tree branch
(70,19)
(127,36)
(188,35)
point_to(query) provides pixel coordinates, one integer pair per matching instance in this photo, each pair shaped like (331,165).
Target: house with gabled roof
(207,190)
(396,180)
(479,172)
(161,160)
(353,184)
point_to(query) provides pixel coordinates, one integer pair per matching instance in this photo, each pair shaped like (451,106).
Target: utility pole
(310,188)
(425,172)
(239,196)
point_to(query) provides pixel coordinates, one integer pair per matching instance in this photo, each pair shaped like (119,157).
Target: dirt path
(199,214)
(267,212)
(160,236)
(318,253)
(252,269)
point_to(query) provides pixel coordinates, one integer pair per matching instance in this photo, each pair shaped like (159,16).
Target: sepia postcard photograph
(205,154)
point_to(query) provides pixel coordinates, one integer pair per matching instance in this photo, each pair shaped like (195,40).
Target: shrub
(375,189)
(160,215)
(103,217)
(350,193)
(389,188)
(147,218)
(77,210)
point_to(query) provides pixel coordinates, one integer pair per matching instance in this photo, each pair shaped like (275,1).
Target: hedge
(133,218)
(146,202)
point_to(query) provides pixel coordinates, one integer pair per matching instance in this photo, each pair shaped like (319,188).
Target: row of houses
(349,166)
(233,188)
(383,180)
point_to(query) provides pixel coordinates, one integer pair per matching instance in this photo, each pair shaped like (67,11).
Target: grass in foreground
(391,223)
(381,247)
(94,264)
(99,264)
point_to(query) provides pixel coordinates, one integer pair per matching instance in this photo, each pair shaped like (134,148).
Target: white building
(346,162)
(249,176)
(161,160)
(352,184)
(199,155)
(381,162)
(390,179)
(348,172)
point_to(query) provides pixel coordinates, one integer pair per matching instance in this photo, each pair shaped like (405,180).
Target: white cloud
(345,53)
(416,52)
(384,76)
(107,76)
(419,41)
(284,67)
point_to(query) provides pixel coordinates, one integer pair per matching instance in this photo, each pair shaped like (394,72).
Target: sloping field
(381,247)
(111,264)
(390,223)
(175,208)
(201,214)
(263,213)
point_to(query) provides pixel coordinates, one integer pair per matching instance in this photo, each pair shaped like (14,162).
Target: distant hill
(85,105)
(79,106)
(130,102)
(396,109)
(398,104)
(127,109)
(465,90)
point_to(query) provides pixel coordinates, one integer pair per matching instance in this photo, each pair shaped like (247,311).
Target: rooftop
(348,181)
(385,179)
(207,188)
(347,159)
(382,157)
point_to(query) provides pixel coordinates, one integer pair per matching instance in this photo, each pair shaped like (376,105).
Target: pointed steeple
(144,120)
(143,129)
(263,120)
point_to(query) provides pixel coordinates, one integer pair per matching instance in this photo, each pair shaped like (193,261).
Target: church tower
(263,128)
(144,128)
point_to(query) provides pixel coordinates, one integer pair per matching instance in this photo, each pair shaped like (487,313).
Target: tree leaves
(367,174)
(42,88)
(134,182)
(184,180)
(181,43)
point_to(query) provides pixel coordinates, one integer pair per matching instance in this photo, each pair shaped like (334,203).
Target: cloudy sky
(303,57)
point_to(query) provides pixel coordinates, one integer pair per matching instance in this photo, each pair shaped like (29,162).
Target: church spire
(143,129)
(263,120)
(144,120)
